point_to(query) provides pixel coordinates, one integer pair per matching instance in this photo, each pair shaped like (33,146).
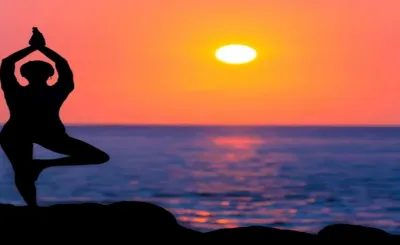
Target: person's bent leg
(19,153)
(77,151)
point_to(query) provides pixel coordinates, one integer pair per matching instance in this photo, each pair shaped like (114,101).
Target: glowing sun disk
(236,54)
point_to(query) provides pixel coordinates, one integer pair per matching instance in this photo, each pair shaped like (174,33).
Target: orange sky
(320,62)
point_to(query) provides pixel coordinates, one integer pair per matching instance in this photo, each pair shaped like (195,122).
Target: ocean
(300,178)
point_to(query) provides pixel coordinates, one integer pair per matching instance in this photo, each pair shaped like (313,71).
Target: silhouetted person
(34,118)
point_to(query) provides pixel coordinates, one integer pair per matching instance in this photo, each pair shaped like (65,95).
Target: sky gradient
(139,62)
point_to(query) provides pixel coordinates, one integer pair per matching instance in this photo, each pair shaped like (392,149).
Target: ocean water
(300,178)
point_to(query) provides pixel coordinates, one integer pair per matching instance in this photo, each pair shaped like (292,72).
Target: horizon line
(227,125)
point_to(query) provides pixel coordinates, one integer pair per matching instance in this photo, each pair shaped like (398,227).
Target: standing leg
(19,153)
(79,152)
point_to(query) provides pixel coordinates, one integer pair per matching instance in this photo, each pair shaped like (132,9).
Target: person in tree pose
(34,117)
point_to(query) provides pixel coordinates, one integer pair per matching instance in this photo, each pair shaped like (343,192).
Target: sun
(236,54)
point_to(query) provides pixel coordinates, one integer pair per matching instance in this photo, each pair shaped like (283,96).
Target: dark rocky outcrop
(259,234)
(142,222)
(353,232)
(122,221)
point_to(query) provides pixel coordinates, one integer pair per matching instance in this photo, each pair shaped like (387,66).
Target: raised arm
(65,76)
(7,69)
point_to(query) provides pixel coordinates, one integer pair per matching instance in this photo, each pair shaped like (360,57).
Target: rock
(139,221)
(259,234)
(121,220)
(353,232)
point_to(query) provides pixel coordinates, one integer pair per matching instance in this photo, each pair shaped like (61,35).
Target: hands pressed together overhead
(37,40)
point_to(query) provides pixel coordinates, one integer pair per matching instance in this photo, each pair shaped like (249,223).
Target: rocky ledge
(142,222)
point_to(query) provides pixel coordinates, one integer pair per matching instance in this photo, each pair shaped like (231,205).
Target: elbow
(6,65)
(5,61)
(70,88)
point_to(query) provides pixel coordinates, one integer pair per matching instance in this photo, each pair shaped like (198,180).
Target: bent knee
(92,156)
(100,157)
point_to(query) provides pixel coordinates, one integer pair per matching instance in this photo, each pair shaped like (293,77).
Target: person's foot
(26,187)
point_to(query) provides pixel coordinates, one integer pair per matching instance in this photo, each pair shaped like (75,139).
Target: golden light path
(236,54)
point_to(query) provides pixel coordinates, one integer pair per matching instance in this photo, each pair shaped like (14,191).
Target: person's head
(37,72)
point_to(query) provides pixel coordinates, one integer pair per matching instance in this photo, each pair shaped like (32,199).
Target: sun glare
(236,54)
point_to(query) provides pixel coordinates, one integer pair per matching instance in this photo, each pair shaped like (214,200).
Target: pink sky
(320,62)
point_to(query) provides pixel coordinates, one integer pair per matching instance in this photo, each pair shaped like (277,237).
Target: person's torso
(35,111)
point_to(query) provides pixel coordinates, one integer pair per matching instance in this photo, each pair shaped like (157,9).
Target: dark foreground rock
(259,234)
(141,222)
(121,221)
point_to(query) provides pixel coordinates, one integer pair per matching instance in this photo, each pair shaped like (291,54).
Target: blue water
(300,178)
